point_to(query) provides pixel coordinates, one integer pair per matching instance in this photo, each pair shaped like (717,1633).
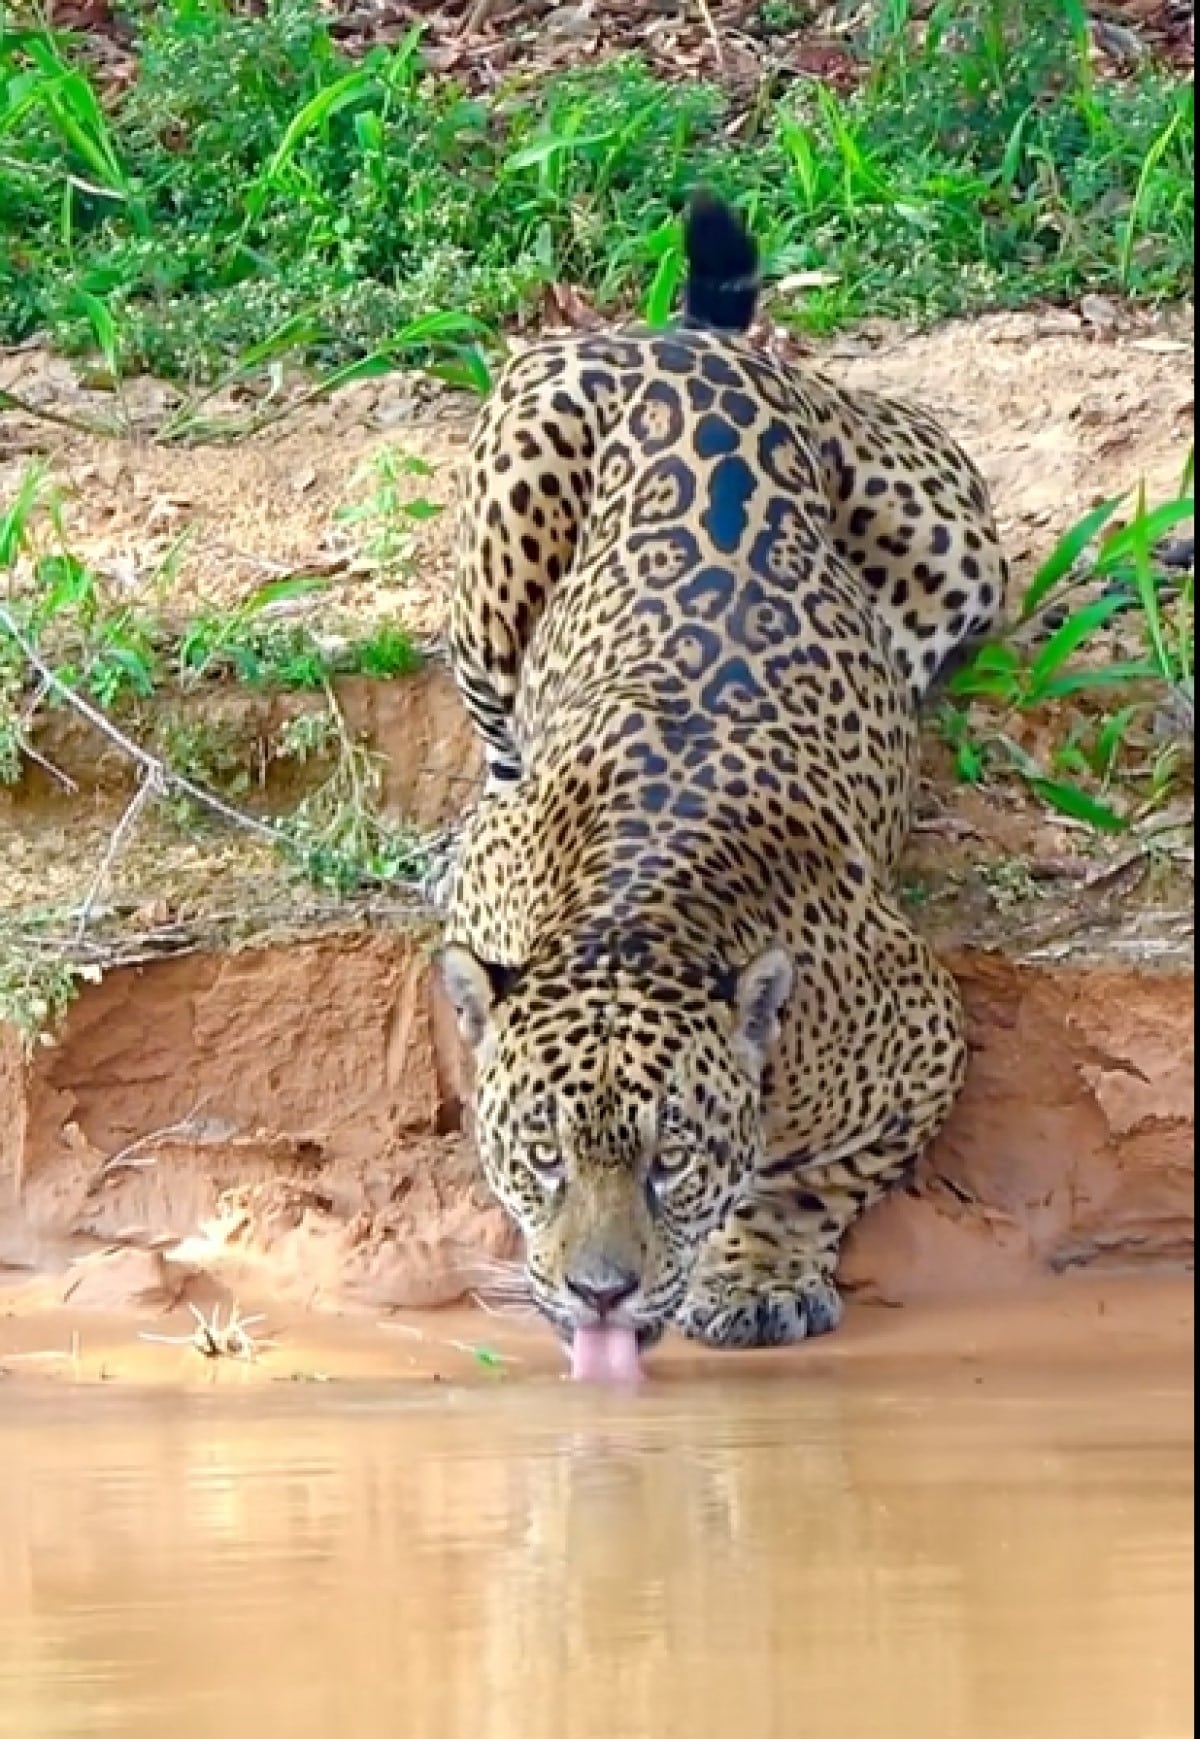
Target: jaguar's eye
(545,1161)
(670,1166)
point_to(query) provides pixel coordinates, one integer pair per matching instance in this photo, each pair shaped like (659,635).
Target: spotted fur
(701,597)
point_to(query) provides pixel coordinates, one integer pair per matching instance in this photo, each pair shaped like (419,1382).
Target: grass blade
(1073,801)
(14,526)
(660,303)
(1145,182)
(1138,539)
(314,116)
(1074,682)
(1066,554)
(1074,633)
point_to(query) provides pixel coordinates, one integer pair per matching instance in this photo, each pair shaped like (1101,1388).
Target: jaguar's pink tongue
(605,1352)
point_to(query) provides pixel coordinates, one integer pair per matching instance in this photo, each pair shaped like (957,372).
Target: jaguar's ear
(475,988)
(759,994)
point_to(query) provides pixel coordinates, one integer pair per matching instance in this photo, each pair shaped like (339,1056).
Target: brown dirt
(431,763)
(289,1106)
(248,515)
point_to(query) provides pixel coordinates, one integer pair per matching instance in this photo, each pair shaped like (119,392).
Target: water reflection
(757,1560)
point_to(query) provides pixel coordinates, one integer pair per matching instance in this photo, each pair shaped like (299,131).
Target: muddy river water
(942,1552)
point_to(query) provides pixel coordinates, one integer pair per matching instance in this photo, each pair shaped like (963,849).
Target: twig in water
(213,1339)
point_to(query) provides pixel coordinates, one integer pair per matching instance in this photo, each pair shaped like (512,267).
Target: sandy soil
(1060,412)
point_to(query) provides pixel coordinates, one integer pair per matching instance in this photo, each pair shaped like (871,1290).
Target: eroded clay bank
(298,1109)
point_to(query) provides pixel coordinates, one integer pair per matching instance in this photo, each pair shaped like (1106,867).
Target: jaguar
(701,597)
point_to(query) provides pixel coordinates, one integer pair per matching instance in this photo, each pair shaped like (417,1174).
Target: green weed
(37,987)
(388,517)
(339,833)
(255,193)
(209,752)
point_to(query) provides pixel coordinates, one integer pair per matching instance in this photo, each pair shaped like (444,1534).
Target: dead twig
(484,1356)
(47,766)
(149,788)
(51,1356)
(11,401)
(213,1339)
(127,1158)
(714,35)
(172,940)
(479,15)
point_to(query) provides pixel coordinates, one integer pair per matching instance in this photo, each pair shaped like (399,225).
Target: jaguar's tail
(723,279)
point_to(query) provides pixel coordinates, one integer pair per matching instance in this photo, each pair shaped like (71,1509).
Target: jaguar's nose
(604,1292)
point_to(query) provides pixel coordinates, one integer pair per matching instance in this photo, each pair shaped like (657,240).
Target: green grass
(254,193)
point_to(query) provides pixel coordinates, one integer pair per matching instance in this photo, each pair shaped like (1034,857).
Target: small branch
(213,1339)
(125,1158)
(11,401)
(479,16)
(39,760)
(155,771)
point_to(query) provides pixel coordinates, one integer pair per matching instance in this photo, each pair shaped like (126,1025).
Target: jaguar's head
(616,1117)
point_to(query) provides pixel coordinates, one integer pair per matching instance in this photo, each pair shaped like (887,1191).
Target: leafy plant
(388,517)
(209,752)
(1099,573)
(339,833)
(36,988)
